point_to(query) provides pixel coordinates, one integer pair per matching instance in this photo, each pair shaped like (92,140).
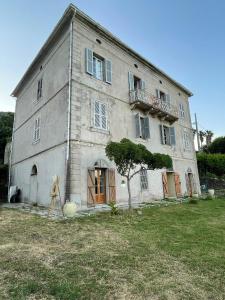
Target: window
(165,98)
(144,179)
(135,83)
(36,136)
(181,110)
(100,115)
(142,127)
(186,140)
(34,170)
(97,66)
(39,89)
(167,135)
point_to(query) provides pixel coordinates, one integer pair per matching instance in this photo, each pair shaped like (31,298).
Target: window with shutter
(98,66)
(39,89)
(144,179)
(36,135)
(100,115)
(186,140)
(181,111)
(167,135)
(142,127)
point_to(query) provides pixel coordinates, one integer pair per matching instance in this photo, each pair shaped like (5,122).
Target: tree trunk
(129,193)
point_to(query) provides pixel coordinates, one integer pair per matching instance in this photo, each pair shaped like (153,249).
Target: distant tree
(6,126)
(217,146)
(131,158)
(211,163)
(202,135)
(209,134)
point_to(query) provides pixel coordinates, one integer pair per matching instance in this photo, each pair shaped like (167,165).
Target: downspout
(10,158)
(67,177)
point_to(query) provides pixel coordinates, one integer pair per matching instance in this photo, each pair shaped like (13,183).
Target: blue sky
(185,38)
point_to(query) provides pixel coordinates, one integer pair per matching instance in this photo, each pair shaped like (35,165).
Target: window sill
(95,129)
(99,80)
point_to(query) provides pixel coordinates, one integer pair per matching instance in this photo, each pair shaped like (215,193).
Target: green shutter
(131,81)
(146,130)
(89,61)
(157,94)
(137,125)
(172,136)
(108,71)
(162,134)
(142,85)
(168,99)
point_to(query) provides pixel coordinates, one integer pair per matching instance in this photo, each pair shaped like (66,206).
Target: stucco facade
(71,144)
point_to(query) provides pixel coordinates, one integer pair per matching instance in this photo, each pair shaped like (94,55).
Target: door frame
(99,186)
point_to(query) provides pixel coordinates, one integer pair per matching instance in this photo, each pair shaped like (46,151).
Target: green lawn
(173,252)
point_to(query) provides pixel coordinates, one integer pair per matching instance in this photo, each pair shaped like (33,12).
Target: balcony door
(100,186)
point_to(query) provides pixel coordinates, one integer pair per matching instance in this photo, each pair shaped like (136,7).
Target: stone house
(85,88)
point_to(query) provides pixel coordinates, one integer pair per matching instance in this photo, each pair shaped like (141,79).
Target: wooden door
(165,185)
(177,185)
(112,185)
(100,186)
(91,187)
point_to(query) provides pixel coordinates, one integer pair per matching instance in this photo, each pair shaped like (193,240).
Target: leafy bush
(212,163)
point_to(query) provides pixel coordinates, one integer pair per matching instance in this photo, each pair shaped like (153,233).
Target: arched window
(34,170)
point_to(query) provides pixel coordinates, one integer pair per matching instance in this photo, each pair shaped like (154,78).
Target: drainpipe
(10,158)
(67,177)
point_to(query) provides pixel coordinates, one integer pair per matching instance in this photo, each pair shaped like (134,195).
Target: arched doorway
(33,184)
(101,183)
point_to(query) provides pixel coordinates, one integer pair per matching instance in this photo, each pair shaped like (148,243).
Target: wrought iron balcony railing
(155,106)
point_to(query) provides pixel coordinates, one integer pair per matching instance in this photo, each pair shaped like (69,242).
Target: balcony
(156,107)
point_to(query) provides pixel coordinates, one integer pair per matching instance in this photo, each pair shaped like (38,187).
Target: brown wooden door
(112,185)
(177,185)
(100,186)
(165,185)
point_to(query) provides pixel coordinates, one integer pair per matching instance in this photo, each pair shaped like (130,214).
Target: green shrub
(211,163)
(114,208)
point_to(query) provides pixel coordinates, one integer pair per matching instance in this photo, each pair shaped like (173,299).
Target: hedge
(212,163)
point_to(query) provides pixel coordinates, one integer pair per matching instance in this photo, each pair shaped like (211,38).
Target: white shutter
(108,71)
(89,61)
(146,128)
(168,99)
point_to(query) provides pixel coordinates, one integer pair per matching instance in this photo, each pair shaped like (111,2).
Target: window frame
(97,58)
(186,140)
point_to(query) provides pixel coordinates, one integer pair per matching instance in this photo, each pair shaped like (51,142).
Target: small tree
(131,158)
